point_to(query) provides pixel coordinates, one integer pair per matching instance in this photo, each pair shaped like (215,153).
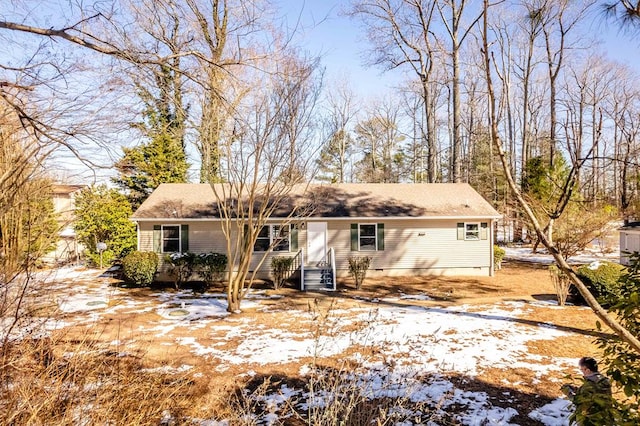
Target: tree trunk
(602,314)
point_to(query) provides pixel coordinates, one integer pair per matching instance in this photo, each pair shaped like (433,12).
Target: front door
(316,242)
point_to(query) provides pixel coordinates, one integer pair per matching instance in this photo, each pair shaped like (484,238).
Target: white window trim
(477,231)
(162,239)
(272,238)
(375,236)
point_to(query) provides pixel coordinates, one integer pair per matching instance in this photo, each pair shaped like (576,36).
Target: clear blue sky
(325,29)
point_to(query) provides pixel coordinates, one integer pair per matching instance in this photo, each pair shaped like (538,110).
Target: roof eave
(325,218)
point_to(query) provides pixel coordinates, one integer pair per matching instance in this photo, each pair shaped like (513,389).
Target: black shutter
(354,237)
(184,238)
(157,238)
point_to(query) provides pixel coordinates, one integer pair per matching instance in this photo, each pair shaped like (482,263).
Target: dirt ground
(516,281)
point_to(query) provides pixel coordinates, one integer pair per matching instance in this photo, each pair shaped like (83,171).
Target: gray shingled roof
(428,200)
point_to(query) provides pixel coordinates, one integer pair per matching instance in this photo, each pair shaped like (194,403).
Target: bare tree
(555,252)
(453,14)
(557,18)
(402,36)
(258,164)
(27,225)
(378,136)
(335,156)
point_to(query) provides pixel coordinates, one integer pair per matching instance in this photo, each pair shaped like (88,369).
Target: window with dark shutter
(170,238)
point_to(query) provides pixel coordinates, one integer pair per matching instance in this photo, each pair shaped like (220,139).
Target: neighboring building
(67,248)
(407,229)
(629,241)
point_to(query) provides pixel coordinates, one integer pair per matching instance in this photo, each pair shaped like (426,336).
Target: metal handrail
(300,263)
(332,260)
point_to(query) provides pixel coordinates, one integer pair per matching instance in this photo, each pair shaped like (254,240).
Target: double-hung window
(275,236)
(367,236)
(473,231)
(171,238)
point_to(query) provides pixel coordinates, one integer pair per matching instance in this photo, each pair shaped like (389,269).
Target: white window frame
(163,239)
(470,234)
(375,236)
(273,236)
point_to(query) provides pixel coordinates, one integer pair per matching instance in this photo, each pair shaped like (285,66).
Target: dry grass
(76,376)
(69,382)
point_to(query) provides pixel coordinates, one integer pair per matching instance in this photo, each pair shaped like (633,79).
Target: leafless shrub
(333,390)
(561,283)
(65,381)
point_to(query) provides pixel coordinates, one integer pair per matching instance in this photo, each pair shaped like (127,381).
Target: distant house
(67,248)
(407,229)
(629,241)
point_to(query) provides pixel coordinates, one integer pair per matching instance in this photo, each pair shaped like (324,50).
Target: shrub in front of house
(358,267)
(139,267)
(181,267)
(211,266)
(280,269)
(602,280)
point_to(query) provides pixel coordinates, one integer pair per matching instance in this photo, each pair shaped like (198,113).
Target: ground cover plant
(447,350)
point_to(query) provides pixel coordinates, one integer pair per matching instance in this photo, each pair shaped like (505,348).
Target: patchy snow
(420,340)
(541,255)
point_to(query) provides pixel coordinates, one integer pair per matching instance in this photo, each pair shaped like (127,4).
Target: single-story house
(406,229)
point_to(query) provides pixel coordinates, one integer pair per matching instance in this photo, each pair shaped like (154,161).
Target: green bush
(622,362)
(280,269)
(139,267)
(181,267)
(601,278)
(211,266)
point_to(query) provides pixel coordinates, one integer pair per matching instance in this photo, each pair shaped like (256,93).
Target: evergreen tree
(334,158)
(143,168)
(485,171)
(621,360)
(102,215)
(162,159)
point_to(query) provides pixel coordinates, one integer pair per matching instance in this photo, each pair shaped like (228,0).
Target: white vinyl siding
(203,237)
(417,247)
(629,243)
(411,247)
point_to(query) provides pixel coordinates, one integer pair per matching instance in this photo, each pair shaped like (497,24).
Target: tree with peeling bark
(259,184)
(488,67)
